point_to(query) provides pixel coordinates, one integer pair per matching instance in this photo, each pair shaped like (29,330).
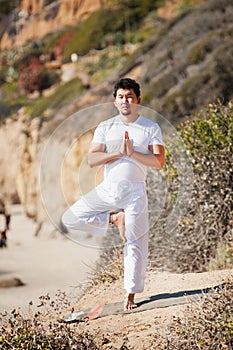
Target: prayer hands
(126,146)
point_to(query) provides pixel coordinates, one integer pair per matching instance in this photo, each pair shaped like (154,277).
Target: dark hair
(127,83)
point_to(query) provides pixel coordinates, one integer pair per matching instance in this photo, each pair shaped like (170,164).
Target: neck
(130,118)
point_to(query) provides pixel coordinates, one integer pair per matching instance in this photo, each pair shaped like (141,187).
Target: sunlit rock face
(25,176)
(36,18)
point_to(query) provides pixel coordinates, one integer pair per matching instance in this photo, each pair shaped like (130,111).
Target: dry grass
(109,269)
(207,325)
(43,329)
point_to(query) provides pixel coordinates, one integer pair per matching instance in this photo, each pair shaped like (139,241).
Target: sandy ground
(145,329)
(46,263)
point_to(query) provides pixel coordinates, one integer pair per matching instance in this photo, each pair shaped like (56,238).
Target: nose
(124,99)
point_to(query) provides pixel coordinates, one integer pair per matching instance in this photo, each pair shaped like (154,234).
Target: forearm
(101,158)
(150,160)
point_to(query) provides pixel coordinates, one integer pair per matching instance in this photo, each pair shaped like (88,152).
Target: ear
(139,100)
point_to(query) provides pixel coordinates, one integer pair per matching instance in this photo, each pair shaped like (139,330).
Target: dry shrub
(207,223)
(35,77)
(43,329)
(110,267)
(206,325)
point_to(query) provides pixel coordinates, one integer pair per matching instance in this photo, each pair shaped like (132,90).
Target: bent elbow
(89,161)
(161,163)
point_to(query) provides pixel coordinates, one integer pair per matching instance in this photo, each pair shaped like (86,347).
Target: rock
(35,19)
(11,282)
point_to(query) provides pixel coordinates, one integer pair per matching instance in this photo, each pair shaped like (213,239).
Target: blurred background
(58,57)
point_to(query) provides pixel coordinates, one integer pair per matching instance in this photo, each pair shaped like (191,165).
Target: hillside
(34,19)
(182,63)
(183,66)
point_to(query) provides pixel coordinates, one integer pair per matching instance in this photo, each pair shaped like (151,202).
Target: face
(126,101)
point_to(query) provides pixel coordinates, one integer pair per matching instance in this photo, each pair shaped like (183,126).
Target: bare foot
(129,302)
(119,220)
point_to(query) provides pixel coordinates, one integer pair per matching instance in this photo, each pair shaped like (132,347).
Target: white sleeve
(99,134)
(156,136)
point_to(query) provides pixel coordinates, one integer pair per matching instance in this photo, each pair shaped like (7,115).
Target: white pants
(91,214)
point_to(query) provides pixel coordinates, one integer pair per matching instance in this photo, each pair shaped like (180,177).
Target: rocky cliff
(41,169)
(182,67)
(34,19)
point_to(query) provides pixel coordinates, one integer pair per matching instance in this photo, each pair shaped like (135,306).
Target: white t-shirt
(143,133)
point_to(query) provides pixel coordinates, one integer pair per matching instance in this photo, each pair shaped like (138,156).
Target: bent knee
(68,218)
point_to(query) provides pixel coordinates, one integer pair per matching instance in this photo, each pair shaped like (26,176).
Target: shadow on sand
(152,302)
(169,299)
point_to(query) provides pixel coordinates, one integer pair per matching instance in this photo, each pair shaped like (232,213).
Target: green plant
(211,132)
(63,94)
(188,4)
(7,6)
(108,24)
(223,258)
(207,222)
(11,99)
(90,33)
(199,52)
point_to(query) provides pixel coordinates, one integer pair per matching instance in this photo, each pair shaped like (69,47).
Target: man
(126,145)
(3,236)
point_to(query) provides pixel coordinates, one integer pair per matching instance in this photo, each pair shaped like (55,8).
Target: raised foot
(118,219)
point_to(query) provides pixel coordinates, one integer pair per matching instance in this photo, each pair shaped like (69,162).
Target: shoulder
(107,123)
(148,123)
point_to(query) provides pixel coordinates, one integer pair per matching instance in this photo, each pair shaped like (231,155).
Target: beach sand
(45,263)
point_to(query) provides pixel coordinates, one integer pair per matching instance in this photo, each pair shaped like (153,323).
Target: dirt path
(142,329)
(46,263)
